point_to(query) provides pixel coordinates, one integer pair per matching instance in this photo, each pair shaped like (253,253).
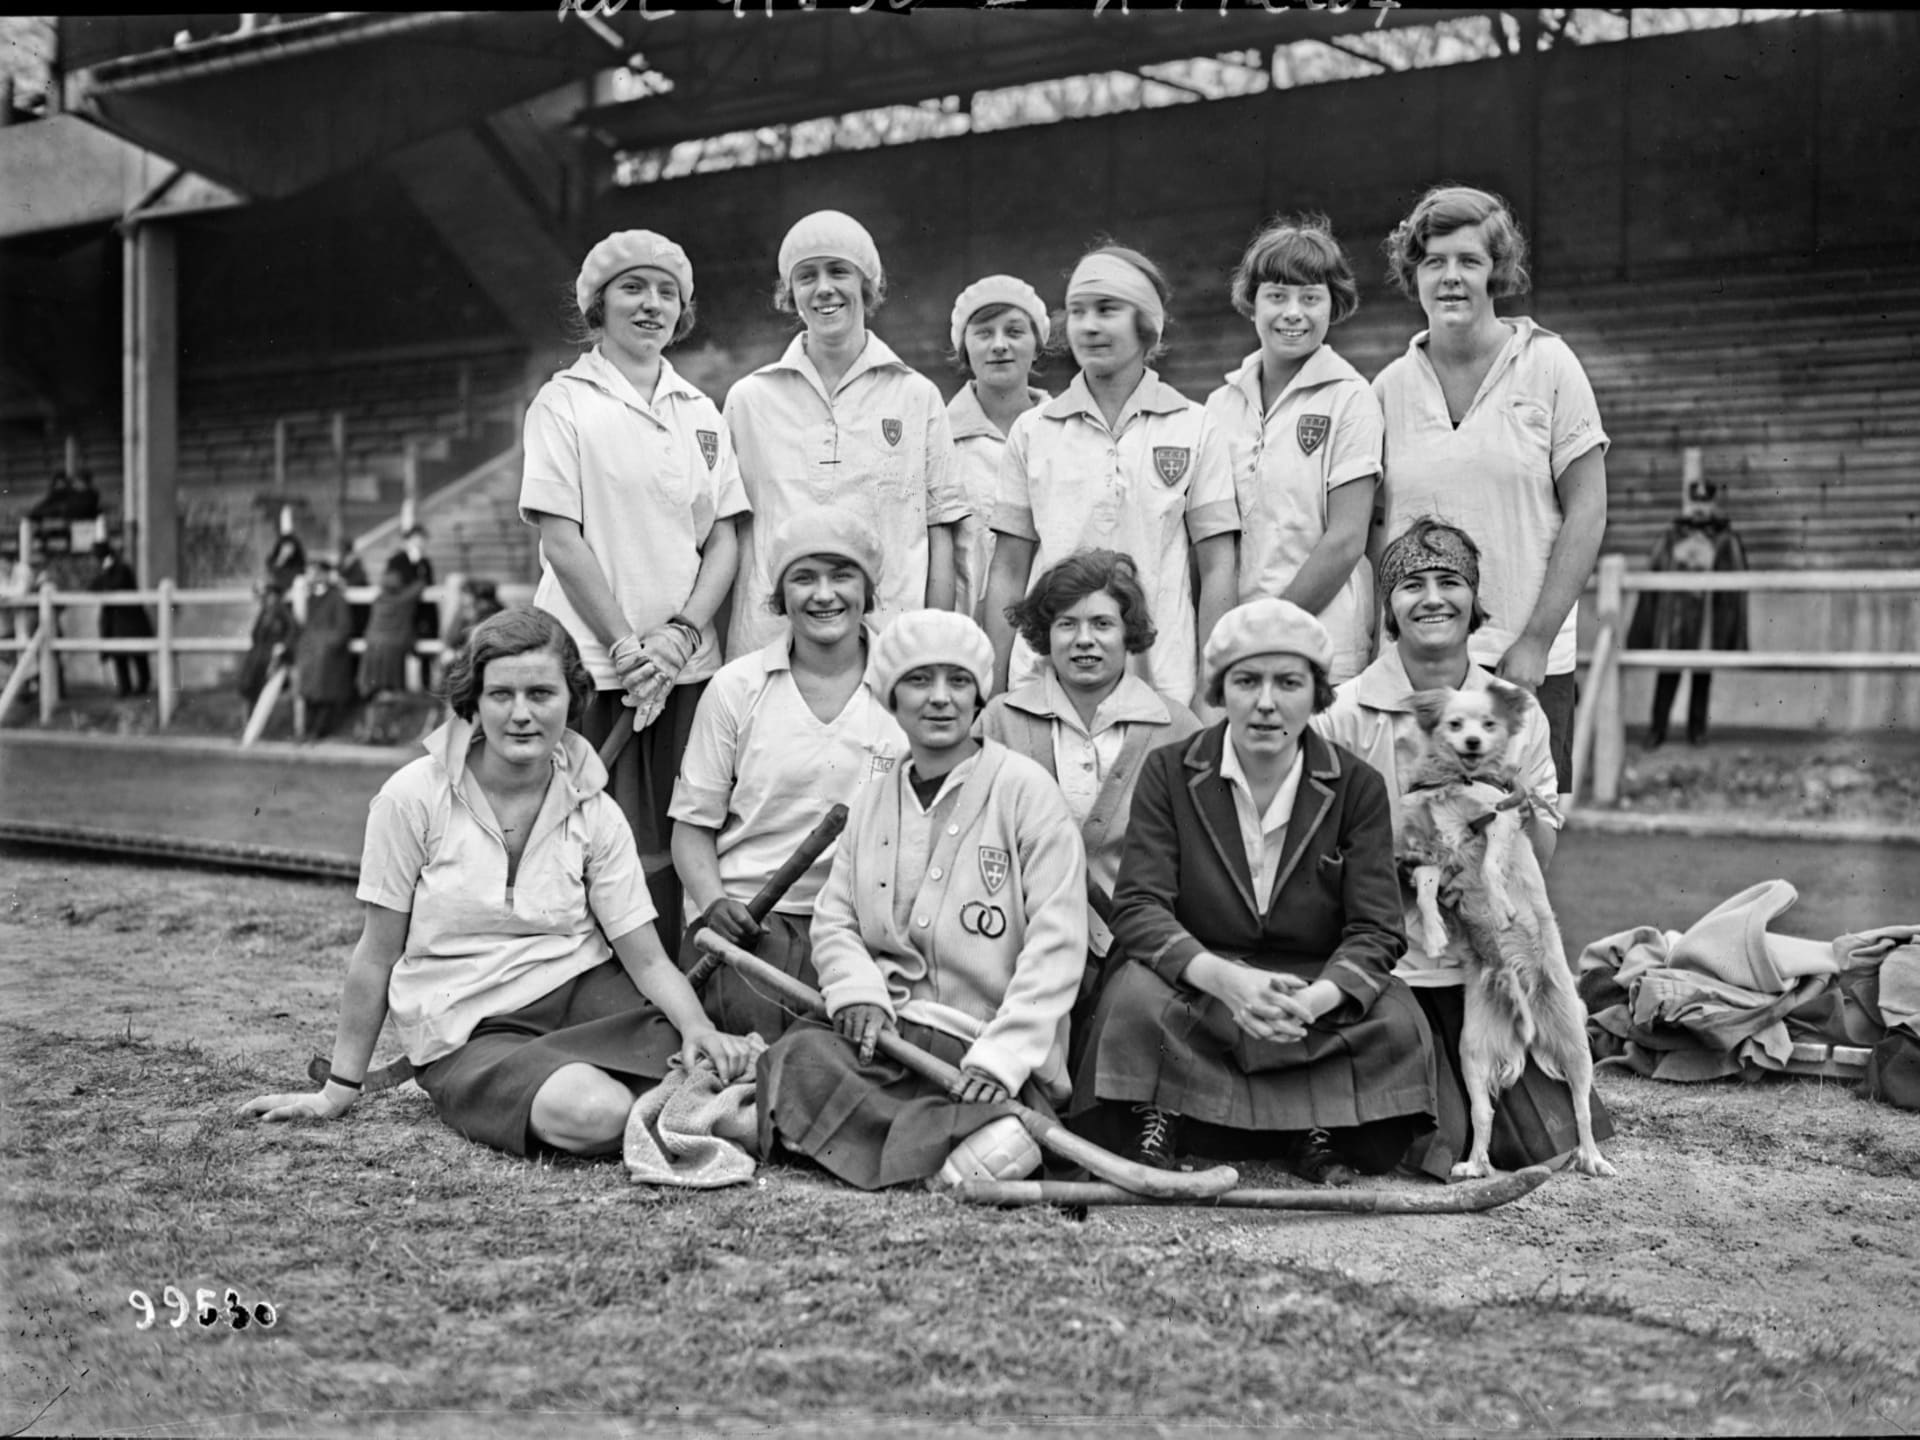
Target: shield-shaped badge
(1311,430)
(994,864)
(892,430)
(1170,462)
(709,446)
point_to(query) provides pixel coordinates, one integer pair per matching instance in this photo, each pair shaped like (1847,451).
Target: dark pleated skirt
(641,784)
(485,1089)
(384,667)
(1180,1050)
(738,1006)
(870,1125)
(1532,1122)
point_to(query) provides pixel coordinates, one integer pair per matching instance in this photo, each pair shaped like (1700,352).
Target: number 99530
(203,1309)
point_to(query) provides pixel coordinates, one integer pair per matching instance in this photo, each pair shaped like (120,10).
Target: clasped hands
(862,1025)
(1266,1004)
(647,666)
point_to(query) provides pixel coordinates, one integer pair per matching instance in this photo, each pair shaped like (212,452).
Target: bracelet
(354,1085)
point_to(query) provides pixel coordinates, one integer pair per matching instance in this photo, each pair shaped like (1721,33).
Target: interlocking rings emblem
(987,921)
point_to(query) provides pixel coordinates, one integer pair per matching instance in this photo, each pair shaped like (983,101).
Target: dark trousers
(1665,686)
(131,675)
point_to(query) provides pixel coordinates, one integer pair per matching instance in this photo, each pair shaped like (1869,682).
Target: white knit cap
(1266,627)
(929,637)
(998,290)
(624,250)
(824,530)
(829,233)
(1116,279)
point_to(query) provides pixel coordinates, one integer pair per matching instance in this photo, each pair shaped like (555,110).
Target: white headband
(998,290)
(1116,279)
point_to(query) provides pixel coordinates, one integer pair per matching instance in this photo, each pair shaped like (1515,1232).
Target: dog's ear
(1429,706)
(1511,703)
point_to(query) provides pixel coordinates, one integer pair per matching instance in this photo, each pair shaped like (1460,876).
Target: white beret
(998,290)
(622,251)
(824,530)
(1266,627)
(830,233)
(929,637)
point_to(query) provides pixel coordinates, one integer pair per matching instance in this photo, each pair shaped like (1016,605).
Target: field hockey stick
(1128,1175)
(782,880)
(1467,1199)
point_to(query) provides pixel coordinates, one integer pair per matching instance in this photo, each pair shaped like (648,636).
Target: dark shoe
(1154,1145)
(1315,1161)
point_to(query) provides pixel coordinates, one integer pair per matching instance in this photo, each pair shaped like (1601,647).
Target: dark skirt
(383,666)
(485,1089)
(1179,1050)
(641,784)
(738,1006)
(870,1125)
(1532,1122)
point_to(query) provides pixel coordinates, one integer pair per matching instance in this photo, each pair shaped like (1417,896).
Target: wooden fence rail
(1599,733)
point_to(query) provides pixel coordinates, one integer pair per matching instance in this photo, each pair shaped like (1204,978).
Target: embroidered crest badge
(1170,462)
(994,865)
(709,446)
(893,430)
(1311,430)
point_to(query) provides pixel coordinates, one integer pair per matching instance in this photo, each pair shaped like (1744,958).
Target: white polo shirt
(645,480)
(1494,476)
(1152,487)
(977,448)
(762,769)
(878,445)
(1323,431)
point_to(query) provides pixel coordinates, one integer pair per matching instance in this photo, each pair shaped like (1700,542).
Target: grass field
(424,1285)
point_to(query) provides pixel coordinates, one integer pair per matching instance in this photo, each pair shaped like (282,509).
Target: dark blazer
(1186,886)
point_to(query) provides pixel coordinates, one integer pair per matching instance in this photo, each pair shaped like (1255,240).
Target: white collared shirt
(1263,834)
(878,445)
(1082,758)
(645,480)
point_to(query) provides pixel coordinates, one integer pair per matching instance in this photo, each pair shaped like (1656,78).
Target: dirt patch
(1756,775)
(1753,1269)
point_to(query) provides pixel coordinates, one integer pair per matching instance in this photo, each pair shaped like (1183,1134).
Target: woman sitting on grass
(501,885)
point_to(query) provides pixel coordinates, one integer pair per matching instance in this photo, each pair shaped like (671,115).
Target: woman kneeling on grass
(956,913)
(1259,906)
(501,882)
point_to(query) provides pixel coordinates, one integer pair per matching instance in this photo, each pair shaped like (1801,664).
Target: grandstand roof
(275,110)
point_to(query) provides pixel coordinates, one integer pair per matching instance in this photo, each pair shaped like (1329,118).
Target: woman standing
(1260,912)
(956,914)
(632,485)
(1305,434)
(1492,426)
(321,658)
(839,419)
(507,922)
(1122,461)
(999,326)
(1089,723)
(781,736)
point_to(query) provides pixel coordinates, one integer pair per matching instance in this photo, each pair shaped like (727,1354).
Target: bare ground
(1753,1270)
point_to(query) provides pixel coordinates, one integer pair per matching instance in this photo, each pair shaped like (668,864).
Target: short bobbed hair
(519,631)
(1153,339)
(1445,209)
(1065,585)
(1296,250)
(1216,693)
(1424,533)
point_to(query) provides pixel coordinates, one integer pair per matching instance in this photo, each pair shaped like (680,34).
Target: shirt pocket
(1532,427)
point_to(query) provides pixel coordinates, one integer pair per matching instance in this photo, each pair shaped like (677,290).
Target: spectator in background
(1492,426)
(383,665)
(131,675)
(411,564)
(84,502)
(478,600)
(287,561)
(325,663)
(57,503)
(23,582)
(1699,540)
(274,631)
(353,575)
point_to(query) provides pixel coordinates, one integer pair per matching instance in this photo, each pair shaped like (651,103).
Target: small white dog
(1461,832)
